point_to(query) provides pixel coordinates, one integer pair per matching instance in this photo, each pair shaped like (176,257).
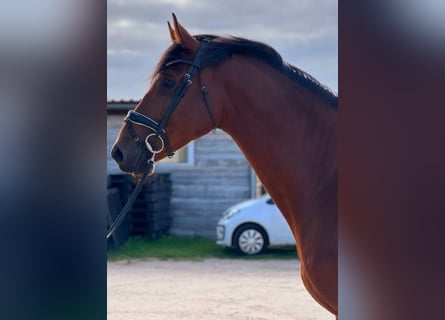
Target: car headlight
(230,213)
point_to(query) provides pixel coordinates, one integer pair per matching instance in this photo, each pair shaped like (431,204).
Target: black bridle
(158,128)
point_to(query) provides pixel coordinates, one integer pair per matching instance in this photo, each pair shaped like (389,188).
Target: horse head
(173,110)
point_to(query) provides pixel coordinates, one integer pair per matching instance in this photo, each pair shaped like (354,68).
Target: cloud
(303,31)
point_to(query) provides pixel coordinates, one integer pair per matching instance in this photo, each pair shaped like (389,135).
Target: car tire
(250,239)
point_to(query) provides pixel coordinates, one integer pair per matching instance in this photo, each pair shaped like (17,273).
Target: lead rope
(148,171)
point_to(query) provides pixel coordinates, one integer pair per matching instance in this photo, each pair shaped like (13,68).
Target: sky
(304,32)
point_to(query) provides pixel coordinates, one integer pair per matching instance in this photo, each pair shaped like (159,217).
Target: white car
(253,225)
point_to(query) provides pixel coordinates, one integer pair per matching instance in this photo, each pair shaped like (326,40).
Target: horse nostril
(116,153)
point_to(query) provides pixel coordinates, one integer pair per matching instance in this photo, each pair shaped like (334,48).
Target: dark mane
(222,48)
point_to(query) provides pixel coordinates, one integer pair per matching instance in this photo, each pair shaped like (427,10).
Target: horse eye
(168,83)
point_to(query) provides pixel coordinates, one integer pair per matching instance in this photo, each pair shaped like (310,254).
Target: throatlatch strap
(206,102)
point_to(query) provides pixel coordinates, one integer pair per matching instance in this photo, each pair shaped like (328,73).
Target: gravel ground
(209,289)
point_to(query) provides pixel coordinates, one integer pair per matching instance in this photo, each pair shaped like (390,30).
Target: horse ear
(183,36)
(173,34)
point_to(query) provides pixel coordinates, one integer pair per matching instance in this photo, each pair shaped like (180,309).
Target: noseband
(158,128)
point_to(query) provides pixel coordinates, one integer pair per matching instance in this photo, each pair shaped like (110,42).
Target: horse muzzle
(131,161)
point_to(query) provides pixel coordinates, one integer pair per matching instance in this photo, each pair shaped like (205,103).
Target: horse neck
(288,135)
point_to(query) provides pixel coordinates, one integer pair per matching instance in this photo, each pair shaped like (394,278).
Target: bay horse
(283,120)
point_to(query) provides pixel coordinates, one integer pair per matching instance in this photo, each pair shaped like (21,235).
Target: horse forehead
(172,52)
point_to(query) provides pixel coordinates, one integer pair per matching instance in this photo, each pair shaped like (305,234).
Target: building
(208,176)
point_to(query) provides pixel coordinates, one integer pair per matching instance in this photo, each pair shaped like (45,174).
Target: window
(182,157)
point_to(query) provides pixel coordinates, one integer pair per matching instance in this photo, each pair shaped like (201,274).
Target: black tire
(250,239)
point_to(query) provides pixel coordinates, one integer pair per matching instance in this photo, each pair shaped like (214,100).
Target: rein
(159,132)
(149,168)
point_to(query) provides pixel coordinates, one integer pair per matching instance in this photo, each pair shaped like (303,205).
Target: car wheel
(250,239)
